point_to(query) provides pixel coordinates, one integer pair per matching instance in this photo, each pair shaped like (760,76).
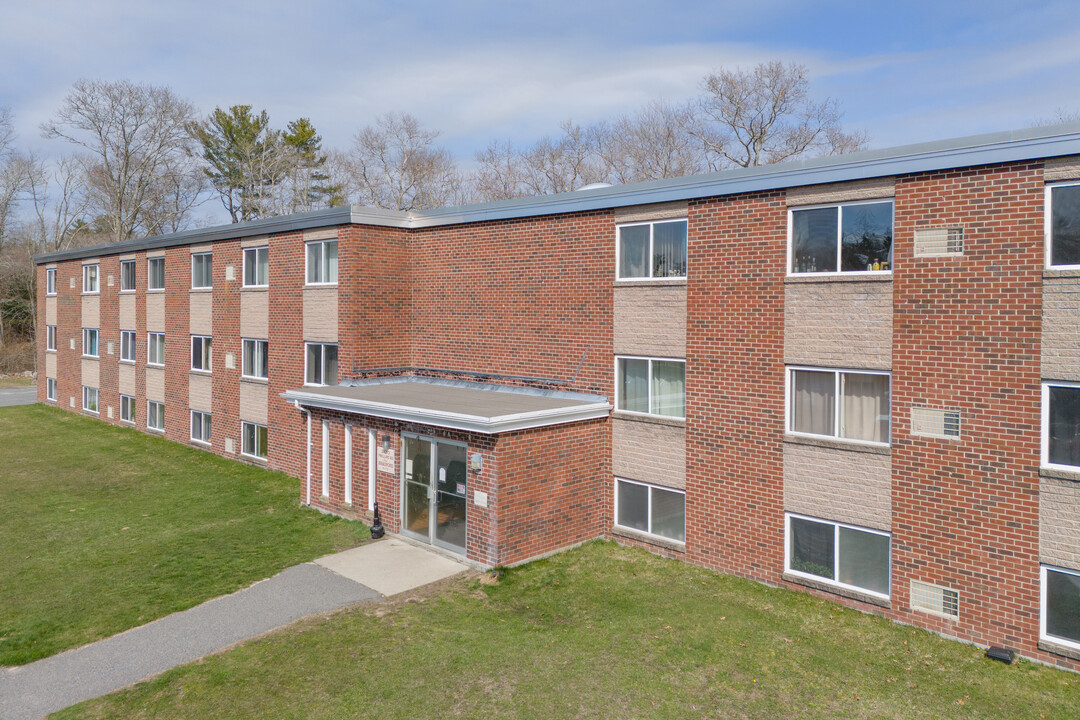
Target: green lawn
(107,528)
(600,632)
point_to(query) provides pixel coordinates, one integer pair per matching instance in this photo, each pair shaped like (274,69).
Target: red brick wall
(735,384)
(286,429)
(109,332)
(177,344)
(225,382)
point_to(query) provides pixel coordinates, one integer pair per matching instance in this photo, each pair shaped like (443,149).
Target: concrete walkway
(389,567)
(18,396)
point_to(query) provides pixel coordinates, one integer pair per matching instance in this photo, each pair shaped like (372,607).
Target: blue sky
(477,71)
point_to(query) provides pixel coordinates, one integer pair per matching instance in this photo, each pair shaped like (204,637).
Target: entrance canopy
(473,407)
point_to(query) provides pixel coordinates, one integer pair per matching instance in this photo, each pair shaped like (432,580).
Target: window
(652,250)
(50,281)
(856,237)
(50,337)
(839,404)
(127,275)
(650,386)
(200,353)
(50,389)
(1061,425)
(256,356)
(155,415)
(200,426)
(155,272)
(155,348)
(127,345)
(1060,617)
(202,270)
(127,408)
(321,364)
(838,554)
(90,399)
(322,262)
(254,440)
(1063,225)
(650,509)
(89,342)
(90,278)
(256,267)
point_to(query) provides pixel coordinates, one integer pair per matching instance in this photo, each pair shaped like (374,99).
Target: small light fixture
(476,462)
(385,443)
(999,653)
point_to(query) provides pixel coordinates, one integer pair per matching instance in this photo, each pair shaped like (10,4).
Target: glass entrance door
(434,492)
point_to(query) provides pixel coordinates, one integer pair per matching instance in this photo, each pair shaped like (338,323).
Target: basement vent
(939,242)
(930,422)
(935,599)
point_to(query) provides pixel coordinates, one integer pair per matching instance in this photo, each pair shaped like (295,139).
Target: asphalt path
(18,396)
(54,683)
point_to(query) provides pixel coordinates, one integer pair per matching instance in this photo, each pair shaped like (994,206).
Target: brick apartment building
(858,376)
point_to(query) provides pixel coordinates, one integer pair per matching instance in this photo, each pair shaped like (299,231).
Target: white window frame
(206,357)
(1044,413)
(202,255)
(322,362)
(326,459)
(50,389)
(127,402)
(149,344)
(159,415)
(243,437)
(86,390)
(127,340)
(134,279)
(651,223)
(205,423)
(789,418)
(836,553)
(244,358)
(50,338)
(839,239)
(50,281)
(348,463)
(373,443)
(618,386)
(1048,225)
(85,341)
(256,251)
(91,279)
(648,509)
(1042,606)
(150,274)
(322,251)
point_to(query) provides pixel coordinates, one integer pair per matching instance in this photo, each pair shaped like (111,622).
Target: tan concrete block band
(1059,522)
(91,311)
(321,314)
(831,484)
(91,373)
(91,261)
(201,317)
(1057,169)
(50,311)
(127,312)
(205,248)
(200,392)
(648,452)
(50,365)
(320,234)
(125,379)
(650,320)
(840,324)
(1061,329)
(253,402)
(644,213)
(155,253)
(155,312)
(155,384)
(842,192)
(254,314)
(257,241)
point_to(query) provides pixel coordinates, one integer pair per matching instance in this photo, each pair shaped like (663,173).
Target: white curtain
(815,402)
(865,407)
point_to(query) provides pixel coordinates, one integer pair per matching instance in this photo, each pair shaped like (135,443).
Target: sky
(481,71)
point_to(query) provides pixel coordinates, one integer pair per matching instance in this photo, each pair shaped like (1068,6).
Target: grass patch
(107,528)
(12,381)
(599,632)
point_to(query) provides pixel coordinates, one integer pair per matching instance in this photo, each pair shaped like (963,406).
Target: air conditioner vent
(939,242)
(935,423)
(935,599)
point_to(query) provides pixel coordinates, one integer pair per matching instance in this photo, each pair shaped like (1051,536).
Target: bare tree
(396,165)
(137,147)
(500,173)
(12,172)
(766,116)
(1061,115)
(653,144)
(563,164)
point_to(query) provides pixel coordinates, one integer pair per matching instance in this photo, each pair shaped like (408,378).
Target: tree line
(142,160)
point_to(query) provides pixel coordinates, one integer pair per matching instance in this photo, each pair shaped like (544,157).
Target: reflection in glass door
(417,490)
(450,497)
(434,492)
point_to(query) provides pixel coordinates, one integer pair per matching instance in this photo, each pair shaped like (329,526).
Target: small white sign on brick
(384,460)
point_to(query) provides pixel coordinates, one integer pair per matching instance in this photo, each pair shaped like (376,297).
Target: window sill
(254,381)
(91,412)
(650,419)
(122,361)
(253,458)
(838,444)
(650,282)
(127,292)
(840,277)
(127,422)
(50,350)
(308,286)
(159,366)
(204,373)
(91,357)
(95,292)
(202,289)
(837,590)
(156,430)
(647,538)
(254,288)
(1049,272)
(200,443)
(1060,474)
(48,295)
(1058,649)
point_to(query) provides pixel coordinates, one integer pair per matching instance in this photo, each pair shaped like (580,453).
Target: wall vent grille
(939,242)
(931,422)
(935,599)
